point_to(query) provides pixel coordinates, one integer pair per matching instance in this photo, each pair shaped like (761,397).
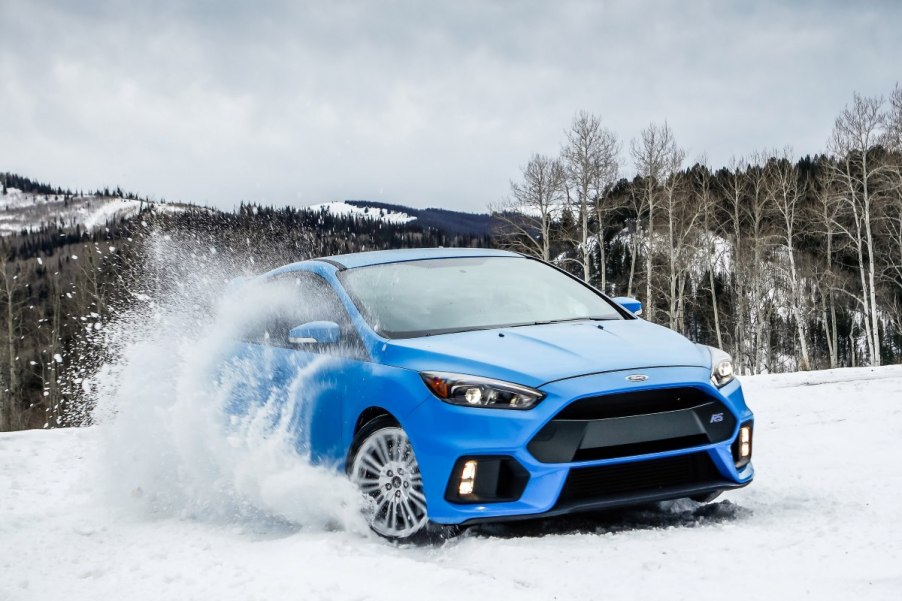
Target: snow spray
(170,447)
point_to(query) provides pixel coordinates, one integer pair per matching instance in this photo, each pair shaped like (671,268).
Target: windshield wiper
(438,332)
(565,320)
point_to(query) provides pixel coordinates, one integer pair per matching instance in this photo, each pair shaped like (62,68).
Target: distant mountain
(28,211)
(362,209)
(26,205)
(455,222)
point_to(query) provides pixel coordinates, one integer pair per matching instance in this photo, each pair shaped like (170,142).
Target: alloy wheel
(386,471)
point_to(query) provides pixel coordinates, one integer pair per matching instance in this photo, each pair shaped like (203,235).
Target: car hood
(536,355)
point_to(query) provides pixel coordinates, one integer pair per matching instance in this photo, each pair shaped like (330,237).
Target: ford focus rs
(457,386)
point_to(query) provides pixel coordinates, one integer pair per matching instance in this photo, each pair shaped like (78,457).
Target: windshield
(435,296)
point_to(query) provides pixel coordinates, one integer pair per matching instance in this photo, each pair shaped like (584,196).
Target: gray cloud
(419,103)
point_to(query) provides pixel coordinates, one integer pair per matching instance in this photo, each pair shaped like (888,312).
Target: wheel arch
(369,414)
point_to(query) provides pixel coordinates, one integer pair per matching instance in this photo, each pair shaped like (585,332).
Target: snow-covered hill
(451,222)
(821,521)
(25,210)
(343,209)
(30,210)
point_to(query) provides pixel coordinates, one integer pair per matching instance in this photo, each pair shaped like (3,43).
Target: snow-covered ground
(821,521)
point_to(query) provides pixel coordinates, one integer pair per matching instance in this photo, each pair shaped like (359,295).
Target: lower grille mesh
(600,482)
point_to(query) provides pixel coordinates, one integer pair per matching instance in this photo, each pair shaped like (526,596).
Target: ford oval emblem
(637,378)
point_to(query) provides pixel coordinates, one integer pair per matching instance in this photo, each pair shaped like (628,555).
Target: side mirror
(315,332)
(630,304)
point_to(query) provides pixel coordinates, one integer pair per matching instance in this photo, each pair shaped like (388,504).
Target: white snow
(343,209)
(21,210)
(110,210)
(821,521)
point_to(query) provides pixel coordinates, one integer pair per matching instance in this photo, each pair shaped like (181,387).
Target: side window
(296,298)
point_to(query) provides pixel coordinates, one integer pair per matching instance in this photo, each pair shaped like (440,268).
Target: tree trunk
(12,402)
(671,251)
(584,237)
(797,297)
(832,340)
(865,296)
(872,292)
(834,354)
(649,252)
(633,251)
(714,308)
(602,261)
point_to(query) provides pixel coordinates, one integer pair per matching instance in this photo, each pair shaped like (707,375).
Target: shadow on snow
(672,514)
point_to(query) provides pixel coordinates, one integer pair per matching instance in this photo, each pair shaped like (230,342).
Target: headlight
(474,391)
(721,367)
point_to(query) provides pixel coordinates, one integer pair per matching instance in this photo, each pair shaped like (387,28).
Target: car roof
(380,257)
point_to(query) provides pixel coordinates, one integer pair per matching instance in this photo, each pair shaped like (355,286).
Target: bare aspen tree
(590,159)
(54,351)
(857,169)
(607,172)
(527,218)
(734,190)
(681,214)
(653,157)
(892,272)
(892,266)
(632,224)
(784,194)
(5,408)
(758,292)
(893,136)
(10,418)
(825,213)
(92,289)
(894,143)
(711,231)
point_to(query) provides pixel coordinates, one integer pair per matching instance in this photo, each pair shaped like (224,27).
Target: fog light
(467,478)
(742,448)
(745,442)
(501,479)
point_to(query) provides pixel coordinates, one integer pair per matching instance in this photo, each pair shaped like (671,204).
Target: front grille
(605,481)
(641,448)
(641,402)
(630,424)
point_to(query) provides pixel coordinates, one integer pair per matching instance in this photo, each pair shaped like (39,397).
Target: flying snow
(170,445)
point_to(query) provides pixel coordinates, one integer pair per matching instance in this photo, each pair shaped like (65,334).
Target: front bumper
(566,485)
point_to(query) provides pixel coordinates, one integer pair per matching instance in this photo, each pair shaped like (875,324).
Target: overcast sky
(419,103)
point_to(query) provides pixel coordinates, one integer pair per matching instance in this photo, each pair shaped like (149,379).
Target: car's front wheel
(385,469)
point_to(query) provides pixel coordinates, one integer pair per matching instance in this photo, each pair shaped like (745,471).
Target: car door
(298,389)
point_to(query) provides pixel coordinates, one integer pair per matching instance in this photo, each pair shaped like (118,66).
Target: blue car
(457,386)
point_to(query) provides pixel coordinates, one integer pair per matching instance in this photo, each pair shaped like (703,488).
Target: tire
(383,466)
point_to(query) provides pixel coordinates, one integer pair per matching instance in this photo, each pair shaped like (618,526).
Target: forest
(787,262)
(60,286)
